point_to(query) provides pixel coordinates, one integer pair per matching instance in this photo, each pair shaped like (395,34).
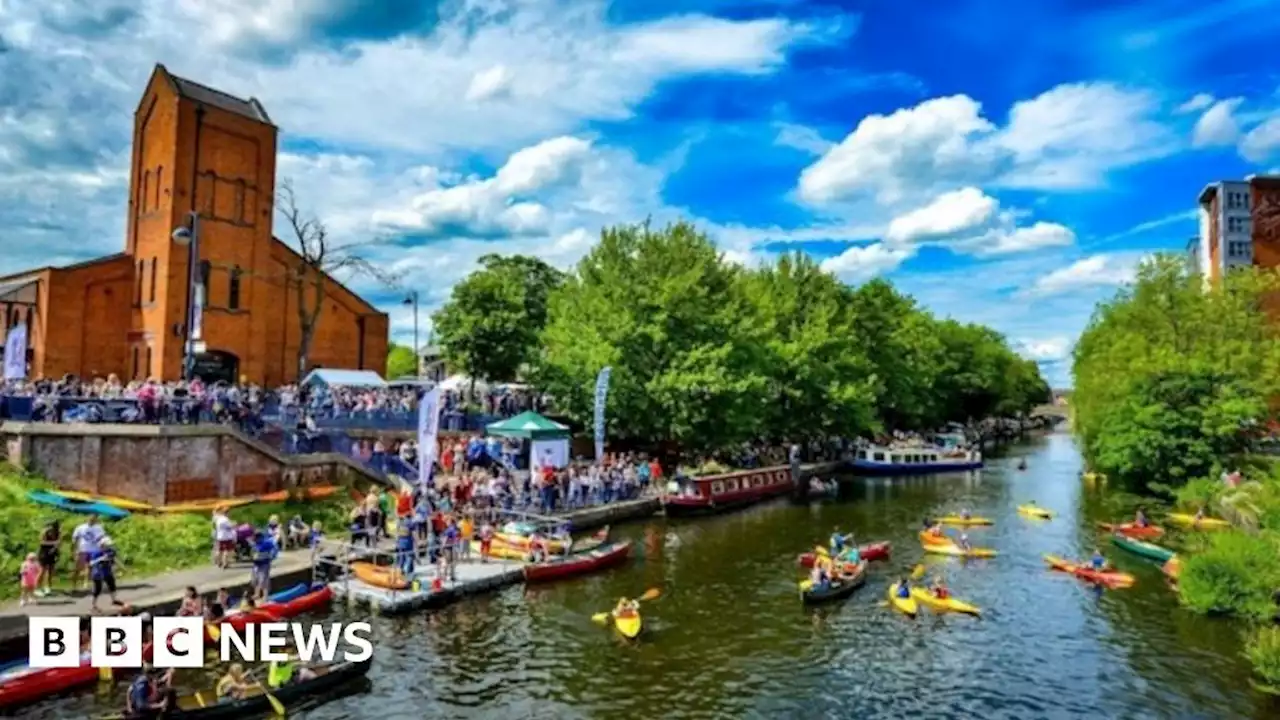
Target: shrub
(1235,575)
(1263,650)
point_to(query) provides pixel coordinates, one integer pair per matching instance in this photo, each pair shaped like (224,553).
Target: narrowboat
(719,493)
(906,460)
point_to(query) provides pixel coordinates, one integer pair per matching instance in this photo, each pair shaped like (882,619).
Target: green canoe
(1142,547)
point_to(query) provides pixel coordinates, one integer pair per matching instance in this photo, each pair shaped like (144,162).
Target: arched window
(233,289)
(202,277)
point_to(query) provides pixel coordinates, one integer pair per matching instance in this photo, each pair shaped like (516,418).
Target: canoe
(628,624)
(1172,568)
(870,551)
(122,503)
(937,604)
(1110,578)
(522,542)
(255,702)
(907,606)
(1142,547)
(1190,522)
(88,507)
(380,576)
(315,492)
(579,563)
(839,590)
(928,538)
(1035,511)
(205,506)
(957,521)
(1134,531)
(956,551)
(25,687)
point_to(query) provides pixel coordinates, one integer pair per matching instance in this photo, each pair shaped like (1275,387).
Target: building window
(233,289)
(203,279)
(137,282)
(133,368)
(159,183)
(1237,201)
(145,198)
(153,281)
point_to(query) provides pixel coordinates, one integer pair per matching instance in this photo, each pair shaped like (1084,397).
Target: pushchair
(244,543)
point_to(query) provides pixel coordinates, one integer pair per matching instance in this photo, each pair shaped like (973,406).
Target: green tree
(400,361)
(661,308)
(1171,378)
(489,328)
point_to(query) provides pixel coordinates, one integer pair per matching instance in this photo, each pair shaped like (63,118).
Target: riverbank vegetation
(148,545)
(1175,386)
(707,354)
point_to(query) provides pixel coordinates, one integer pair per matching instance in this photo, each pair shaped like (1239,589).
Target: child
(274,531)
(486,541)
(30,573)
(467,529)
(316,534)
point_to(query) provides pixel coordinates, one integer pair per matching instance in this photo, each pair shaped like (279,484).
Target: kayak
(870,551)
(1131,530)
(1189,521)
(907,606)
(958,521)
(205,506)
(840,589)
(87,507)
(522,542)
(315,492)
(122,503)
(1111,578)
(927,538)
(197,706)
(937,604)
(380,576)
(1172,567)
(579,563)
(1147,550)
(628,624)
(957,551)
(1035,511)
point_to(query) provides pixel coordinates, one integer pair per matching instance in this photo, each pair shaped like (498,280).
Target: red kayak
(25,687)
(869,552)
(579,563)
(1134,531)
(1110,578)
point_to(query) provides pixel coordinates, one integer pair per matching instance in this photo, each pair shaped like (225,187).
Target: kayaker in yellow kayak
(963,542)
(625,606)
(939,589)
(935,531)
(904,588)
(965,515)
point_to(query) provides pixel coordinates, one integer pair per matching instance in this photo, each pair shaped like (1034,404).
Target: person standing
(50,544)
(264,552)
(102,567)
(87,538)
(224,538)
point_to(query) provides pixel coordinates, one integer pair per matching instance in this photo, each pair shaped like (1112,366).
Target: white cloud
(1068,137)
(1218,125)
(489,84)
(1090,272)
(802,138)
(1046,350)
(1262,142)
(862,262)
(970,221)
(1197,103)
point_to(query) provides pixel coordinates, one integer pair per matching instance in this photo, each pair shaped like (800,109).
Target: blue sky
(1006,163)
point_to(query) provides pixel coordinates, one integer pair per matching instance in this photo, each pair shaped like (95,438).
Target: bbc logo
(116,642)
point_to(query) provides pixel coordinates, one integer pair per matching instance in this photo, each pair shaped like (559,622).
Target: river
(729,637)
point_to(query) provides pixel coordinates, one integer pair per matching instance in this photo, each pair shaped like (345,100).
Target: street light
(412,299)
(189,236)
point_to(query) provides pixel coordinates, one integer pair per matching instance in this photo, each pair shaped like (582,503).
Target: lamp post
(189,236)
(412,299)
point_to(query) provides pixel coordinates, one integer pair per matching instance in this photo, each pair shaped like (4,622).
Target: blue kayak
(88,507)
(283,596)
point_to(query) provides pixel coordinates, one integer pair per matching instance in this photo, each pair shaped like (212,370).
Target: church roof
(206,95)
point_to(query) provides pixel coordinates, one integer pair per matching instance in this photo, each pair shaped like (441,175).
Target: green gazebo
(528,426)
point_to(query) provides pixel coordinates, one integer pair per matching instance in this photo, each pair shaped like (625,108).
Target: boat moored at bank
(719,493)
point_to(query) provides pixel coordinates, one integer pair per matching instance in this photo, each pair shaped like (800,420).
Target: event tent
(530,426)
(352,378)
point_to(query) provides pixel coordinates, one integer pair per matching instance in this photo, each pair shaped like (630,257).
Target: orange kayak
(928,538)
(1110,578)
(315,492)
(380,576)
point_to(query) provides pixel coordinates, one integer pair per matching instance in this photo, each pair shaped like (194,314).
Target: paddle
(650,594)
(917,572)
(104,674)
(275,702)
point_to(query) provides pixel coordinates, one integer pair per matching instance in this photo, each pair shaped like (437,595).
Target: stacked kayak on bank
(87,507)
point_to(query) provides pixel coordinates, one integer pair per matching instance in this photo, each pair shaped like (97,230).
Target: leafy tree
(400,361)
(661,308)
(1172,380)
(490,326)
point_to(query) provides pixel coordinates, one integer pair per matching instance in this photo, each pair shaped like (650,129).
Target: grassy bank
(148,544)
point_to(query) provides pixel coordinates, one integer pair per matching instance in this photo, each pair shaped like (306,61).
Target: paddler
(965,514)
(280,674)
(1098,562)
(837,542)
(1140,518)
(818,577)
(137,702)
(936,531)
(904,588)
(939,589)
(1195,522)
(234,684)
(963,542)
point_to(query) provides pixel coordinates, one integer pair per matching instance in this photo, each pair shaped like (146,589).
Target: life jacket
(279,674)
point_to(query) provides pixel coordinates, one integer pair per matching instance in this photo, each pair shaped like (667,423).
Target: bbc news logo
(117,642)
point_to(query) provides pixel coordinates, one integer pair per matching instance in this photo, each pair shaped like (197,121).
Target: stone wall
(163,464)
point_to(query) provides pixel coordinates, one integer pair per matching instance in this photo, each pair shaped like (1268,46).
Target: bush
(1237,575)
(1263,650)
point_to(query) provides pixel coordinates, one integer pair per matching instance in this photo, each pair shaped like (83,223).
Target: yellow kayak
(204,506)
(122,503)
(628,625)
(958,521)
(907,606)
(1189,521)
(933,602)
(956,551)
(498,550)
(1035,511)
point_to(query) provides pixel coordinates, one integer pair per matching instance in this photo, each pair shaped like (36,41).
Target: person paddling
(1140,518)
(837,542)
(234,684)
(964,542)
(1098,562)
(939,589)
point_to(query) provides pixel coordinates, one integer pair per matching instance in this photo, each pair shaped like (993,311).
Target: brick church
(195,149)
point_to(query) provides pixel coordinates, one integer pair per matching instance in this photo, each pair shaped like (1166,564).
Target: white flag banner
(549,453)
(602,394)
(428,431)
(15,353)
